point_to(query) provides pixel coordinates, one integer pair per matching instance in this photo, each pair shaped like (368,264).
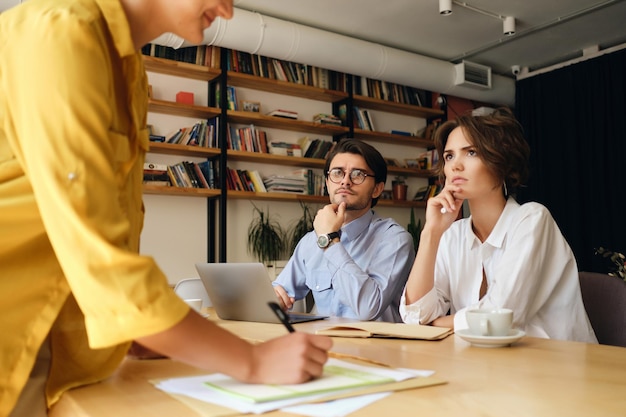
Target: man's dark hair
(373,159)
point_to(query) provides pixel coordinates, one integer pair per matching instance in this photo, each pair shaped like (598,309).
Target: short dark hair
(499,139)
(373,159)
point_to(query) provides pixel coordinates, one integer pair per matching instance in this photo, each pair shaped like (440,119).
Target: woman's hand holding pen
(291,359)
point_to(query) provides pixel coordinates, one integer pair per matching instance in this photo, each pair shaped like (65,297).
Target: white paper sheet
(197,388)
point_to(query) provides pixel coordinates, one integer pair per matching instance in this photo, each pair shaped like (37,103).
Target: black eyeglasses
(357,176)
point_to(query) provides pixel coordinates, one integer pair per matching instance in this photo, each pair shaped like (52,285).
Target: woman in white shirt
(504,254)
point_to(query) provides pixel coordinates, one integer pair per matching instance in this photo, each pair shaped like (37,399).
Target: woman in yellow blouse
(74,292)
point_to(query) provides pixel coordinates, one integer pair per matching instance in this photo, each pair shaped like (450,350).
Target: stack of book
(155,174)
(285,149)
(327,119)
(288,114)
(296,183)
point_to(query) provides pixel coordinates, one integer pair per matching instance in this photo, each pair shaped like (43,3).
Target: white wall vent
(473,75)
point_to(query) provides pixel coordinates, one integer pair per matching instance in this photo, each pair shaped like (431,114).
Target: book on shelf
(328,119)
(285,149)
(183,174)
(156,138)
(231,98)
(249,139)
(430,190)
(368,120)
(428,159)
(295,183)
(400,132)
(362,118)
(259,186)
(209,172)
(318,148)
(244,180)
(203,133)
(158,183)
(289,114)
(155,174)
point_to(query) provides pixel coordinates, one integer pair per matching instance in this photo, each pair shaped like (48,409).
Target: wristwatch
(323,241)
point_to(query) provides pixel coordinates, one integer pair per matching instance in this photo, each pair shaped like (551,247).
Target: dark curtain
(574,119)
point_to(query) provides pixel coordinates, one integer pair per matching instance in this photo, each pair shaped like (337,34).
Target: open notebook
(241,291)
(387,330)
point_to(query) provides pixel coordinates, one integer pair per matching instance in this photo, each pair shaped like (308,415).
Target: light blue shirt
(361,277)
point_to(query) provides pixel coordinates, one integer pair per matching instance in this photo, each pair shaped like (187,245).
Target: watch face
(322,241)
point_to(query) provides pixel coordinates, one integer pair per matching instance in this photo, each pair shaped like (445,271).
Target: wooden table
(535,377)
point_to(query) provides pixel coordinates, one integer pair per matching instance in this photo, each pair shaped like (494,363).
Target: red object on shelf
(184,97)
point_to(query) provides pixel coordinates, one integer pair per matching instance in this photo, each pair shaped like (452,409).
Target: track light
(445,7)
(508,25)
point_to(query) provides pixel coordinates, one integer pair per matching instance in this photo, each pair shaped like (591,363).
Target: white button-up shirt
(529,268)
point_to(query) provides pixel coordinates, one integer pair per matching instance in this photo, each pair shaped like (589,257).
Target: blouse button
(71,176)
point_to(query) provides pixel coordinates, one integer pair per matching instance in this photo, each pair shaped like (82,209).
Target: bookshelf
(226,77)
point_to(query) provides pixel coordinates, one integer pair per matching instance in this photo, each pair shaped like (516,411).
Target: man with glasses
(354,262)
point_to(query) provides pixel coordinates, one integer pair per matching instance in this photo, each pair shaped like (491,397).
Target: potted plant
(266,238)
(616,263)
(399,187)
(301,228)
(415,229)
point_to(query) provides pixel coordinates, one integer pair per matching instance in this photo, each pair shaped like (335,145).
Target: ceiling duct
(473,75)
(258,34)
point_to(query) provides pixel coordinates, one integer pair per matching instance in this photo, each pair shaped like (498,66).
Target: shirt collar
(353,229)
(498,234)
(118,26)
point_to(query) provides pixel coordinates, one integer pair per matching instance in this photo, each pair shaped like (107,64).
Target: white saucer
(491,341)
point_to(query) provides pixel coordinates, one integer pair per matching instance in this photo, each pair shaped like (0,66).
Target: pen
(281,316)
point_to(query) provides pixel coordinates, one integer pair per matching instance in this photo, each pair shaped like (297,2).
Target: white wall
(175,229)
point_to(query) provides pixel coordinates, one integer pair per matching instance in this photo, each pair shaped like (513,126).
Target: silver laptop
(241,291)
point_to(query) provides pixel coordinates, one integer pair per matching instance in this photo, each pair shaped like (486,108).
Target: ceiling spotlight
(508,25)
(445,7)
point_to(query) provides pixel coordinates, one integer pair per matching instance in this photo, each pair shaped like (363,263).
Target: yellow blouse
(73,103)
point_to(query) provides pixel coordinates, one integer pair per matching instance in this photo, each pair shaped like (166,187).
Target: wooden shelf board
(284,87)
(180,109)
(371,103)
(181,191)
(384,137)
(247,195)
(180,69)
(409,172)
(183,150)
(244,117)
(401,203)
(267,158)
(313,199)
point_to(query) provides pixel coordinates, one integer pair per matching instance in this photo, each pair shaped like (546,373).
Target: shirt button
(71,176)
(317,287)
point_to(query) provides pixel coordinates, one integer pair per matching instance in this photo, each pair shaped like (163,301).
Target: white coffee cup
(195,303)
(490,321)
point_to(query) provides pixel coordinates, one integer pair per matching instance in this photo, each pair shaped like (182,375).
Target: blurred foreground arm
(293,358)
